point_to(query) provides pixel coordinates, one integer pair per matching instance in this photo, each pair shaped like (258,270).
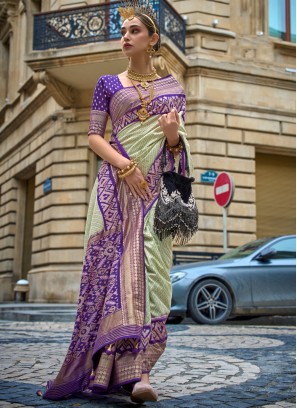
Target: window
(285,249)
(4,69)
(246,250)
(282,19)
(293,20)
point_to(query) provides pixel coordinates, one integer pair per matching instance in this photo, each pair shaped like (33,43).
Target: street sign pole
(223,195)
(225,229)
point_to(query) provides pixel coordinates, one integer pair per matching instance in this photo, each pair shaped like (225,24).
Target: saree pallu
(125,292)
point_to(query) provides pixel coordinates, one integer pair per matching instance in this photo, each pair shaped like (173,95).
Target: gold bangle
(130,165)
(175,149)
(127,173)
(127,170)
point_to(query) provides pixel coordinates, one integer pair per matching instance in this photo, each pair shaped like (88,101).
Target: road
(232,365)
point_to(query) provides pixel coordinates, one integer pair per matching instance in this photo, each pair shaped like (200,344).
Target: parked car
(257,278)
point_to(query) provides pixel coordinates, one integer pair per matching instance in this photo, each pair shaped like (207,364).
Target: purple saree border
(106,167)
(133,331)
(143,254)
(129,381)
(119,333)
(115,191)
(97,196)
(119,146)
(130,116)
(66,389)
(157,319)
(105,390)
(56,391)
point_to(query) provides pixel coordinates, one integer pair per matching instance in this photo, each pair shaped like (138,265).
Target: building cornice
(284,47)
(241,73)
(45,60)
(203,103)
(196,28)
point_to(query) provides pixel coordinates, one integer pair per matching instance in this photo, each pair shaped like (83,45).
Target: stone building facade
(240,86)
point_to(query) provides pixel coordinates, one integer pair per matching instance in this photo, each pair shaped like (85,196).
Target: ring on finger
(143,184)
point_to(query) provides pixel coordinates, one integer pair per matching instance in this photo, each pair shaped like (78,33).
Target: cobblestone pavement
(203,366)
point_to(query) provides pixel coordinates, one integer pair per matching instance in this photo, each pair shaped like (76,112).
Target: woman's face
(135,37)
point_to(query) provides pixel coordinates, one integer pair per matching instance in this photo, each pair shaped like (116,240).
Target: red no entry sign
(223,189)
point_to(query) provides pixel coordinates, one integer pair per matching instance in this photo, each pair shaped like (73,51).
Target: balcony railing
(100,23)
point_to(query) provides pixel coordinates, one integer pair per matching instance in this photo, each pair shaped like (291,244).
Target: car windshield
(246,250)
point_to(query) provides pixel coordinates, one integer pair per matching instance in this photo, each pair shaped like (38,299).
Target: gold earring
(150,50)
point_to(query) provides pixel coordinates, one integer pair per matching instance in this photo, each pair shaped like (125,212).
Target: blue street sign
(47,186)
(208,177)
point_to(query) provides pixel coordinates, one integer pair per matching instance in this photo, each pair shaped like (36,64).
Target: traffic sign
(223,189)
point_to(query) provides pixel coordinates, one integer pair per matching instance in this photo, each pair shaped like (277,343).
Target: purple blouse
(121,103)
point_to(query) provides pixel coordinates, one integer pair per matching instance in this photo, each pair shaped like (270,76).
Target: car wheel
(210,302)
(174,319)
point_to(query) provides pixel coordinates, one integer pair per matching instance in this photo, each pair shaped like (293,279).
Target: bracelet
(127,170)
(175,149)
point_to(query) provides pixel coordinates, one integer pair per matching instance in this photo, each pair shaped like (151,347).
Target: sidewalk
(203,366)
(38,312)
(66,312)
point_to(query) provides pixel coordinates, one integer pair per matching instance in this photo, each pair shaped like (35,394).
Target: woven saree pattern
(125,293)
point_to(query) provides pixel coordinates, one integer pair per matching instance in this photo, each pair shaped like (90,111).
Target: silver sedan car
(257,278)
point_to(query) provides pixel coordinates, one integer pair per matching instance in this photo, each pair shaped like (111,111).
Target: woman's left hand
(169,123)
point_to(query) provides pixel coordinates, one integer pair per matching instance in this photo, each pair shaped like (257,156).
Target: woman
(125,294)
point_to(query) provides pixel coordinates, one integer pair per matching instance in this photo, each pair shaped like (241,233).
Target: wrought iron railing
(100,23)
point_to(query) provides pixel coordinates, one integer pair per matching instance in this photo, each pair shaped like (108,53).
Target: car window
(285,248)
(246,250)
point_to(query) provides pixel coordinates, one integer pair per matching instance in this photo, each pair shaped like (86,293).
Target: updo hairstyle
(151,29)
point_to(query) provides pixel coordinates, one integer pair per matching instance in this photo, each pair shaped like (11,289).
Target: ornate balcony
(100,23)
(72,48)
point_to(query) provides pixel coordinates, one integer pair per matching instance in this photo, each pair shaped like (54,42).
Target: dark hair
(148,23)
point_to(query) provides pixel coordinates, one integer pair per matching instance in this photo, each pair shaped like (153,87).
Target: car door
(273,281)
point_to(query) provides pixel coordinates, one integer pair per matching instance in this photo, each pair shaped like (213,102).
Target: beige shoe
(143,392)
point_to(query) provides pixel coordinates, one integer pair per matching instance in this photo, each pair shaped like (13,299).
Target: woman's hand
(169,123)
(138,185)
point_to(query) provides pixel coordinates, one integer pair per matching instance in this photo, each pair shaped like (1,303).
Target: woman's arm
(103,149)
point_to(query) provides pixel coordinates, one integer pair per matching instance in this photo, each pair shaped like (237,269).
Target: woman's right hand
(103,149)
(134,181)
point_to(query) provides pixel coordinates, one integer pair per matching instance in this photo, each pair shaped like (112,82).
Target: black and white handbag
(176,212)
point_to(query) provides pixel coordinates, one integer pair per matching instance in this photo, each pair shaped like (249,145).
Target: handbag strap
(183,166)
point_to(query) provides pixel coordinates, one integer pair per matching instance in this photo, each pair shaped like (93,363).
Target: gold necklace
(143,79)
(142,113)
